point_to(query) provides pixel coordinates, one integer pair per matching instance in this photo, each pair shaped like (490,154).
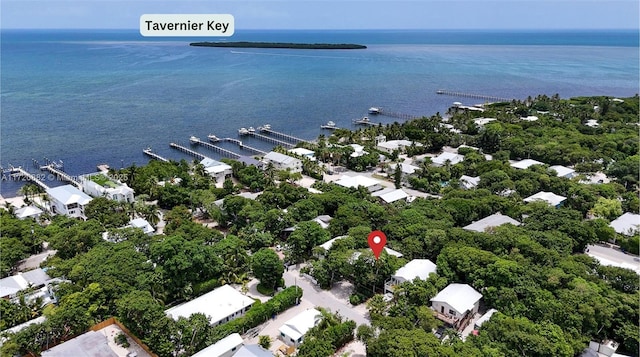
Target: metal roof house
(495,220)
(68,200)
(292,331)
(283,162)
(220,305)
(456,305)
(551,198)
(417,268)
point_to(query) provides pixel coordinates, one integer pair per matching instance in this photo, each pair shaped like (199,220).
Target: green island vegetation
(552,299)
(103,181)
(303,46)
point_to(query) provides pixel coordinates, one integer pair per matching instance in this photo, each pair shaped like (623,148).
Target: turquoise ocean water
(90,97)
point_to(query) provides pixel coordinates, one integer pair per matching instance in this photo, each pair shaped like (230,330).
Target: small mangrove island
(306,46)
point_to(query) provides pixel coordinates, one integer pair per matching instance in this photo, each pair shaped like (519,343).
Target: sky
(332,14)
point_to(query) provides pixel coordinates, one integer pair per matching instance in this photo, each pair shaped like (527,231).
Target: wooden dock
(19,171)
(153,155)
(61,175)
(267,129)
(391,114)
(222,151)
(268,139)
(255,151)
(472,95)
(188,151)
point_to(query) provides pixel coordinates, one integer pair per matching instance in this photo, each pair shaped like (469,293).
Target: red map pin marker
(377,240)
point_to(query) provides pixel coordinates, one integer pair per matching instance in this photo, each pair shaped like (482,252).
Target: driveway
(335,300)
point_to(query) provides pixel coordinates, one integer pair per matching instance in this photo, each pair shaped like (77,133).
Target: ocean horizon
(89,97)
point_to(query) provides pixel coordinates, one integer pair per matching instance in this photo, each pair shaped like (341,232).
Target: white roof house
(220,305)
(293,330)
(417,268)
(483,121)
(563,171)
(391,195)
(283,162)
(495,220)
(358,150)
(391,145)
(529,118)
(455,302)
(68,200)
(216,169)
(628,223)
(441,159)
(328,244)
(469,182)
(252,351)
(484,318)
(525,164)
(142,224)
(551,198)
(304,152)
(11,285)
(355,181)
(89,344)
(108,187)
(226,347)
(407,169)
(28,211)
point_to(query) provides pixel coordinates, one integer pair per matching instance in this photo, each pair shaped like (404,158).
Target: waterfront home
(417,268)
(495,220)
(219,171)
(220,305)
(283,162)
(456,305)
(292,332)
(68,200)
(101,185)
(28,212)
(309,154)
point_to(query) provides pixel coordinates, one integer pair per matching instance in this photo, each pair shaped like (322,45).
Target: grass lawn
(103,181)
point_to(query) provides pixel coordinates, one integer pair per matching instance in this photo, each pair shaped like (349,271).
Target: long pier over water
(188,151)
(222,151)
(61,175)
(215,139)
(153,155)
(267,138)
(19,171)
(267,129)
(472,95)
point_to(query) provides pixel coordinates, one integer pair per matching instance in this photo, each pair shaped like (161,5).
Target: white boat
(266,126)
(243,131)
(329,125)
(193,139)
(374,110)
(251,130)
(213,138)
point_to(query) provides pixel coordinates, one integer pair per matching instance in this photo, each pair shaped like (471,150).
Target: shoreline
(287,45)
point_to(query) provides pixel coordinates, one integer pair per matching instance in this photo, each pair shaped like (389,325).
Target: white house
(358,150)
(359,180)
(28,212)
(68,200)
(563,171)
(309,154)
(226,347)
(529,118)
(89,344)
(456,305)
(108,187)
(483,121)
(283,162)
(495,220)
(484,318)
(12,285)
(220,305)
(469,182)
(219,171)
(253,351)
(627,224)
(142,223)
(292,332)
(391,145)
(452,158)
(525,164)
(417,268)
(391,195)
(551,198)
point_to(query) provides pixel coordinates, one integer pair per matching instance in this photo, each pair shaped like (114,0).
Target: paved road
(323,298)
(34,261)
(612,256)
